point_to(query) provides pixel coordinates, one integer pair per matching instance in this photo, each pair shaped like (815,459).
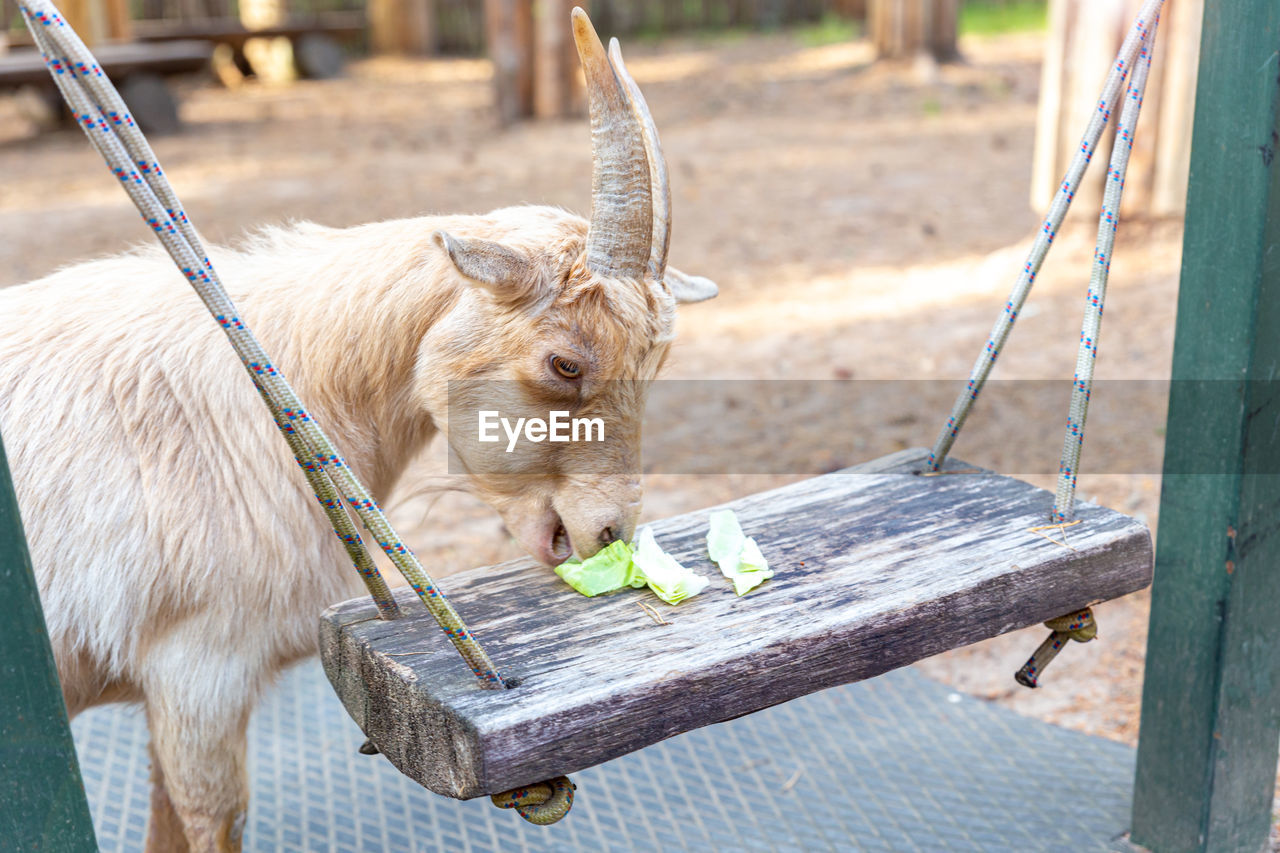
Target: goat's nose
(610,534)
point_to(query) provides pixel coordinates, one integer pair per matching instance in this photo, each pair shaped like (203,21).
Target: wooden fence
(459,24)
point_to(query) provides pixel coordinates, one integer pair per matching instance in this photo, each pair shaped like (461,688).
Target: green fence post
(42,801)
(1211,699)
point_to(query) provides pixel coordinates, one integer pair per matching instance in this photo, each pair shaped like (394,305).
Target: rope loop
(1079,626)
(542,804)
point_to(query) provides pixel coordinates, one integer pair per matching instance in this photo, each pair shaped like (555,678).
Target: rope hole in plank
(1061,527)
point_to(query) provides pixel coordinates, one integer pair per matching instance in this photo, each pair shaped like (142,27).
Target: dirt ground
(863,223)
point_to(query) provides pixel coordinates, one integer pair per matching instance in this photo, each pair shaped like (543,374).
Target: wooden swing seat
(876,567)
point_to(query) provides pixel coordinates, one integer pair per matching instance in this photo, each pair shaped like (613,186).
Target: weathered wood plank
(876,567)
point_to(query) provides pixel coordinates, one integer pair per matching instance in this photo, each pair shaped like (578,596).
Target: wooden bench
(876,567)
(342,25)
(163,47)
(339,25)
(119,61)
(137,69)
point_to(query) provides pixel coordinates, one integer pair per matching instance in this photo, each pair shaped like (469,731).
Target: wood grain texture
(876,567)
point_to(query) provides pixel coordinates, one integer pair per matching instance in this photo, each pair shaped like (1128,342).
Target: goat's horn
(660,187)
(621,232)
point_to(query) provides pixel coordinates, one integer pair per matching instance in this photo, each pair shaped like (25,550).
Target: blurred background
(862,178)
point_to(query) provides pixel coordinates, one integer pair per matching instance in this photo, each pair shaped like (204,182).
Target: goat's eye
(567,369)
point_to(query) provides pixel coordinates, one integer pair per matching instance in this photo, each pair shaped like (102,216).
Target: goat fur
(180,557)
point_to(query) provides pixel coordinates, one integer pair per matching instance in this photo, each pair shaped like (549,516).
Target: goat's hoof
(367,748)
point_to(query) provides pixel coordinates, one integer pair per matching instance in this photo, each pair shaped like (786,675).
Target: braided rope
(542,804)
(331,502)
(105,119)
(1136,40)
(1082,383)
(1078,626)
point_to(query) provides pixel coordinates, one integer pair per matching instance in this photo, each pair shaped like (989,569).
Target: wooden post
(42,801)
(907,29)
(402,26)
(1178,52)
(555,61)
(119,25)
(86,18)
(509,32)
(1081,44)
(944,29)
(1083,38)
(1211,700)
(97,21)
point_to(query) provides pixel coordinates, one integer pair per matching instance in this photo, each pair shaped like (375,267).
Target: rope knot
(1078,626)
(543,803)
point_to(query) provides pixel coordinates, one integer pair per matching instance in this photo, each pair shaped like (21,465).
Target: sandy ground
(863,224)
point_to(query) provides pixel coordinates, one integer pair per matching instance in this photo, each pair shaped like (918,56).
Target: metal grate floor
(898,763)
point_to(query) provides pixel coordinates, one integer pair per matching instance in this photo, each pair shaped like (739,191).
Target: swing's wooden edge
(896,567)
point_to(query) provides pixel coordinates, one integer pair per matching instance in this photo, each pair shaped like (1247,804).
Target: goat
(181,560)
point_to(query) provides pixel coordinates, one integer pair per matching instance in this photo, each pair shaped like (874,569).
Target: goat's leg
(164,831)
(200,794)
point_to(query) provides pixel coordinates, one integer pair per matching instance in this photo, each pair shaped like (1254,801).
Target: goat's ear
(689,288)
(506,272)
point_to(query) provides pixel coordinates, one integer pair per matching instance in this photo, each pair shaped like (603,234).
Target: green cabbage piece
(621,564)
(611,568)
(669,580)
(724,536)
(737,554)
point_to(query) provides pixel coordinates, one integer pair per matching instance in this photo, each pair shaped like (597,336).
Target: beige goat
(181,558)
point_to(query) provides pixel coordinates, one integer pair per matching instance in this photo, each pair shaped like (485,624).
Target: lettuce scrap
(669,580)
(607,570)
(621,564)
(737,554)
